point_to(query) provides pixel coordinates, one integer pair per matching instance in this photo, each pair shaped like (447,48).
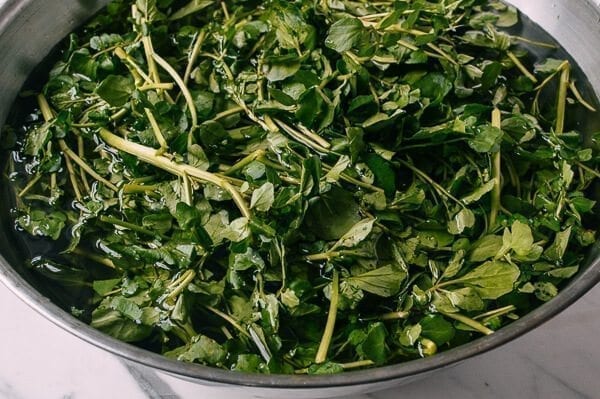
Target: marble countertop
(560,359)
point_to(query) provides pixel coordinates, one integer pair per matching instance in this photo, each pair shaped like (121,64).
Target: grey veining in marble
(559,360)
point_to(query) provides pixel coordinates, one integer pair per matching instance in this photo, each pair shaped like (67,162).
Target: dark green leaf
(116,90)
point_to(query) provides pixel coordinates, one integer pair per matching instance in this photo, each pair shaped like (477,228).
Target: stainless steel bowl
(30,28)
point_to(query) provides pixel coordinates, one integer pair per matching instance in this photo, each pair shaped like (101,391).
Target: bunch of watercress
(304,186)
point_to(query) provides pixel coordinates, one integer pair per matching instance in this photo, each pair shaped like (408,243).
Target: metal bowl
(28,31)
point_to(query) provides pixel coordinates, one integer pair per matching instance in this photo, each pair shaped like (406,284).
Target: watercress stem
(148,155)
(130,226)
(561,104)
(469,322)
(331,317)
(496,174)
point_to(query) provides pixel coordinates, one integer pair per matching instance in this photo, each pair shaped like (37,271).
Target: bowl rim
(575,289)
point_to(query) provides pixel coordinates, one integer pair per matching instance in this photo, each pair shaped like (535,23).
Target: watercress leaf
(276,71)
(116,90)
(114,324)
(545,290)
(103,287)
(333,214)
(478,192)
(434,86)
(263,197)
(126,307)
(548,66)
(355,140)
(248,363)
(437,329)
(464,219)
(247,260)
(344,34)
(204,350)
(410,334)
(556,251)
(385,177)
(563,272)
(487,139)
(40,223)
(492,279)
(508,17)
(522,238)
(373,347)
(190,8)
(37,139)
(466,299)
(384,281)
(356,234)
(325,368)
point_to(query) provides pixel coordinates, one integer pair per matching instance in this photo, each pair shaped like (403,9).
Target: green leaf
(548,66)
(39,223)
(434,86)
(190,8)
(492,279)
(464,219)
(487,139)
(487,247)
(563,272)
(356,234)
(114,324)
(103,287)
(384,281)
(545,291)
(509,17)
(326,368)
(478,192)
(248,363)
(205,350)
(37,139)
(385,177)
(355,140)
(277,71)
(247,260)
(345,34)
(116,90)
(556,251)
(491,72)
(263,197)
(410,335)
(522,238)
(333,214)
(373,347)
(466,299)
(437,329)
(126,307)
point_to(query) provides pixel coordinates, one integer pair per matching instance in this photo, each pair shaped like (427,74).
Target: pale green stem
(561,104)
(194,56)
(188,278)
(469,322)
(496,174)
(229,319)
(48,116)
(96,258)
(182,86)
(148,155)
(331,317)
(130,226)
(157,132)
(521,67)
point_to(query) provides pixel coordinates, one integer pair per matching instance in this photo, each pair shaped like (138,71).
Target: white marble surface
(561,359)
